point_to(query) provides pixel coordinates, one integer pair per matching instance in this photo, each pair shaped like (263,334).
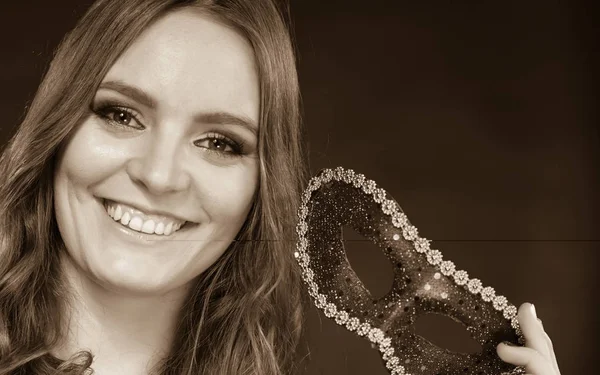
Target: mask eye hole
(369,262)
(446,333)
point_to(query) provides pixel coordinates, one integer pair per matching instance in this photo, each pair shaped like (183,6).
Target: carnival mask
(423,281)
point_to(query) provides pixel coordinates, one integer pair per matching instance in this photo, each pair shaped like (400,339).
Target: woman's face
(155,184)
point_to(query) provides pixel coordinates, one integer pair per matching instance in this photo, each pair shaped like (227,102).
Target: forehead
(191,61)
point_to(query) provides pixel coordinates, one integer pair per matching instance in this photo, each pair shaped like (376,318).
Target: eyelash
(104,111)
(236,146)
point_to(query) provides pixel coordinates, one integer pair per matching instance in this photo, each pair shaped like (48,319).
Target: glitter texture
(342,198)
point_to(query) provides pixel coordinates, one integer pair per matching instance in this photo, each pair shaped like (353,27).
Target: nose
(158,166)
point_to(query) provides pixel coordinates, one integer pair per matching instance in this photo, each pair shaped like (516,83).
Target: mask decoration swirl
(423,281)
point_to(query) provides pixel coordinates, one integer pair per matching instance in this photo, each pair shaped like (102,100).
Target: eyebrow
(215,117)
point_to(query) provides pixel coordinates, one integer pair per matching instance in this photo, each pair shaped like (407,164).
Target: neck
(127,333)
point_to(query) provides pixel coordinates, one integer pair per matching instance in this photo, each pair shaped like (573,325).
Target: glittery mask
(423,281)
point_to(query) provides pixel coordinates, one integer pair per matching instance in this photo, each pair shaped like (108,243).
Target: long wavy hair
(244,314)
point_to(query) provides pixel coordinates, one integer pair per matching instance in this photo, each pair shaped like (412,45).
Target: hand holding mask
(423,281)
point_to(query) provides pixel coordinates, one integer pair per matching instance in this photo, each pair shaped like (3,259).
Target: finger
(550,348)
(535,337)
(533,362)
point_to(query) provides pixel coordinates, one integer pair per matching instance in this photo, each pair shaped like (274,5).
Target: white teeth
(123,215)
(148,227)
(136,223)
(125,219)
(118,213)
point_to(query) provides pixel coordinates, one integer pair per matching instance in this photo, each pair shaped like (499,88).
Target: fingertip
(526,309)
(505,345)
(525,306)
(503,350)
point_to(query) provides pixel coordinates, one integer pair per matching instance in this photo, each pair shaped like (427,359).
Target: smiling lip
(140,236)
(146,212)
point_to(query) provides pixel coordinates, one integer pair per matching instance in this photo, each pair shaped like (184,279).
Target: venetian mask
(424,282)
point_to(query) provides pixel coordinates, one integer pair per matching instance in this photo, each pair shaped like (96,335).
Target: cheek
(230,195)
(81,163)
(87,159)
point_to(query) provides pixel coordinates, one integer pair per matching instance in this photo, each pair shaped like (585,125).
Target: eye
(220,144)
(120,116)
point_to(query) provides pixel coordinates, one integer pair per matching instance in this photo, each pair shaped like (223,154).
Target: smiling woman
(144,152)
(142,228)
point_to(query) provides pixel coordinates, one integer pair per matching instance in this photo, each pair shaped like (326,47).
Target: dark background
(479,118)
